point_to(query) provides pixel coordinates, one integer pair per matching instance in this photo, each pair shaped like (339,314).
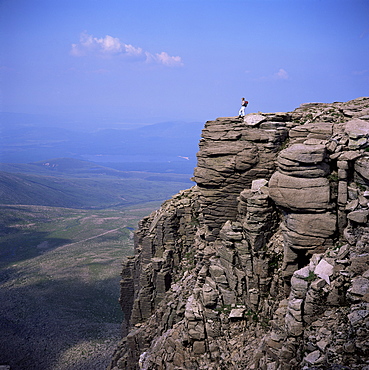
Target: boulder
(357,128)
(304,153)
(210,296)
(300,194)
(312,224)
(297,169)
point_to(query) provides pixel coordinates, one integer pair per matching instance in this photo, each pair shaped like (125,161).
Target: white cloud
(166,59)
(132,51)
(281,75)
(109,46)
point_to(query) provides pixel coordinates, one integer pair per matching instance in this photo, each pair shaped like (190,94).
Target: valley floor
(59,285)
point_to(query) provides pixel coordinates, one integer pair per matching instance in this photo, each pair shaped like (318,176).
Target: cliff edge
(264,263)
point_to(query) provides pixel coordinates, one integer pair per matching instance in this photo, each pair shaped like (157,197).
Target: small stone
(258,184)
(360,286)
(349,347)
(318,284)
(302,273)
(322,344)
(343,165)
(237,313)
(359,216)
(342,174)
(312,357)
(357,316)
(331,146)
(351,206)
(199,347)
(362,201)
(324,270)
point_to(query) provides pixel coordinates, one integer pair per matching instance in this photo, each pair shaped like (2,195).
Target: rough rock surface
(264,264)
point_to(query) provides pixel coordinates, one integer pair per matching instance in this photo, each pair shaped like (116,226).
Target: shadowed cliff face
(264,264)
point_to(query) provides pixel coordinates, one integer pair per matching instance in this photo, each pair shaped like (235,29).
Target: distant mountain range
(43,162)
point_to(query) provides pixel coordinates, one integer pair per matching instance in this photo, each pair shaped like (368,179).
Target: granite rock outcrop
(264,263)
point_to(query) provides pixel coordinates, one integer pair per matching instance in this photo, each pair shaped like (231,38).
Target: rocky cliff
(264,263)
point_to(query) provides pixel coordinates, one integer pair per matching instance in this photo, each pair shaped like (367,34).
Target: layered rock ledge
(264,263)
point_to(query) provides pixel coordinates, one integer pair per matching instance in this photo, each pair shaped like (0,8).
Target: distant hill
(61,167)
(71,167)
(160,146)
(104,189)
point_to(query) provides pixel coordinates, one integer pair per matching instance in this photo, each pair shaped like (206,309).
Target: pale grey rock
(313,141)
(352,192)
(294,327)
(342,174)
(303,273)
(253,119)
(299,287)
(320,131)
(210,296)
(258,184)
(342,194)
(362,167)
(332,146)
(237,313)
(322,344)
(357,128)
(313,357)
(349,155)
(312,224)
(304,153)
(343,165)
(318,284)
(357,316)
(360,216)
(299,193)
(360,286)
(324,270)
(363,201)
(297,169)
(216,271)
(352,205)
(193,311)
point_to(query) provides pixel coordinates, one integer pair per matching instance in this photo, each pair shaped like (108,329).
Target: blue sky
(151,61)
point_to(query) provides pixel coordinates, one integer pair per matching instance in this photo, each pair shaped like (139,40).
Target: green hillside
(92,192)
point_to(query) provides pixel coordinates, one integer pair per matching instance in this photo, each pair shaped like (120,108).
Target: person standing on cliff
(241,112)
